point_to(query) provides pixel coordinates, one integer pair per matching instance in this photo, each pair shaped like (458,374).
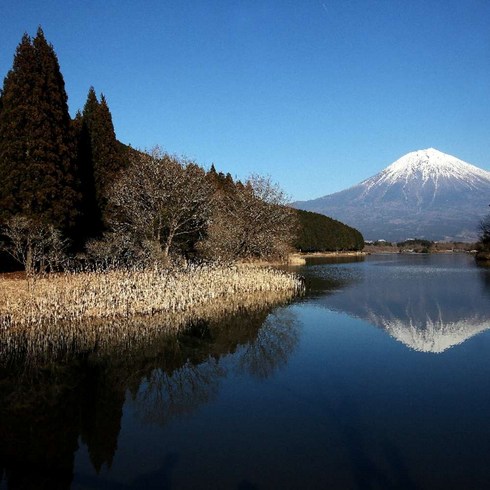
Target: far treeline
(69,188)
(419,245)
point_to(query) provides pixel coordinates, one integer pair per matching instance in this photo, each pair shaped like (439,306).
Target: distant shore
(438,248)
(329,254)
(300,257)
(434,247)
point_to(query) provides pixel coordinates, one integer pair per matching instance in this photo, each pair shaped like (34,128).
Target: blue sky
(317,94)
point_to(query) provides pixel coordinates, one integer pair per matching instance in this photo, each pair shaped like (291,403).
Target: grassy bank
(86,309)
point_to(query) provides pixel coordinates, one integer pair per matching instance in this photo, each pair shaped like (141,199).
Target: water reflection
(272,346)
(429,303)
(48,408)
(266,342)
(165,395)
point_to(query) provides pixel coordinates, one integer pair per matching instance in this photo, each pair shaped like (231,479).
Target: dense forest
(319,233)
(69,188)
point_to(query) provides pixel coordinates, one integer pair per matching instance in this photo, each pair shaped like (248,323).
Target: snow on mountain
(431,165)
(424,194)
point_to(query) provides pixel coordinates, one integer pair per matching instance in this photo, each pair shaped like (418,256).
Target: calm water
(378,378)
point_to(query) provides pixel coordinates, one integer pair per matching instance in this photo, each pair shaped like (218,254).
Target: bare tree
(33,244)
(251,221)
(161,199)
(115,250)
(55,250)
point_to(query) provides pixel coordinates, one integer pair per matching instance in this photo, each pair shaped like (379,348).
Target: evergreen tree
(223,184)
(89,223)
(90,108)
(107,159)
(36,149)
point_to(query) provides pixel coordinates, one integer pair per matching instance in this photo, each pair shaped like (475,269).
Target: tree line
(69,185)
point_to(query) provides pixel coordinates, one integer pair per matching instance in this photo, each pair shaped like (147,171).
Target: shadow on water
(160,479)
(371,466)
(246,485)
(48,407)
(367,472)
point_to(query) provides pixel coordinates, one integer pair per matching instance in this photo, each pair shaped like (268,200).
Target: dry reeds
(85,310)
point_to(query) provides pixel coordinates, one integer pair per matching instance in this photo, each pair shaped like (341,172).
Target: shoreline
(76,298)
(331,254)
(300,258)
(58,315)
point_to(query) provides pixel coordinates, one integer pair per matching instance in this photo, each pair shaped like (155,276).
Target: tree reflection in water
(166,395)
(48,406)
(267,341)
(272,346)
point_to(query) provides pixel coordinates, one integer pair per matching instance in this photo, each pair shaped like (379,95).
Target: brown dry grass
(83,310)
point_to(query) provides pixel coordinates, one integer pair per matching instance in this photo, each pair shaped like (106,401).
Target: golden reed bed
(83,310)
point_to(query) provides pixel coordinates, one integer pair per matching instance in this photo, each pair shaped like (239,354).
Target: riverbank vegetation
(80,311)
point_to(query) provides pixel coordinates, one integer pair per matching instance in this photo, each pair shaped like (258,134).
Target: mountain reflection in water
(428,305)
(48,408)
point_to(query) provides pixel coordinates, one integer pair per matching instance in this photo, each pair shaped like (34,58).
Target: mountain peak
(430,164)
(424,194)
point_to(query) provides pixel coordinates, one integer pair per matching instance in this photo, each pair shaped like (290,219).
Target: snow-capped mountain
(424,194)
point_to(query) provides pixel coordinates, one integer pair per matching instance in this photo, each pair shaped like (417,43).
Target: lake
(379,377)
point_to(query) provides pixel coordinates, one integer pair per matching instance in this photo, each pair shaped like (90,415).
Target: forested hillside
(319,233)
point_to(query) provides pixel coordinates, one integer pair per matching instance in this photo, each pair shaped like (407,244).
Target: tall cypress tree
(36,148)
(107,157)
(108,160)
(17,99)
(89,223)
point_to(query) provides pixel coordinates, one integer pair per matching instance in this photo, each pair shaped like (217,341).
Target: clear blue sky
(317,94)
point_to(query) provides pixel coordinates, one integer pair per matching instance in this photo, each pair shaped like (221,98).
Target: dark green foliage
(90,219)
(315,233)
(248,221)
(37,174)
(319,233)
(98,143)
(127,152)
